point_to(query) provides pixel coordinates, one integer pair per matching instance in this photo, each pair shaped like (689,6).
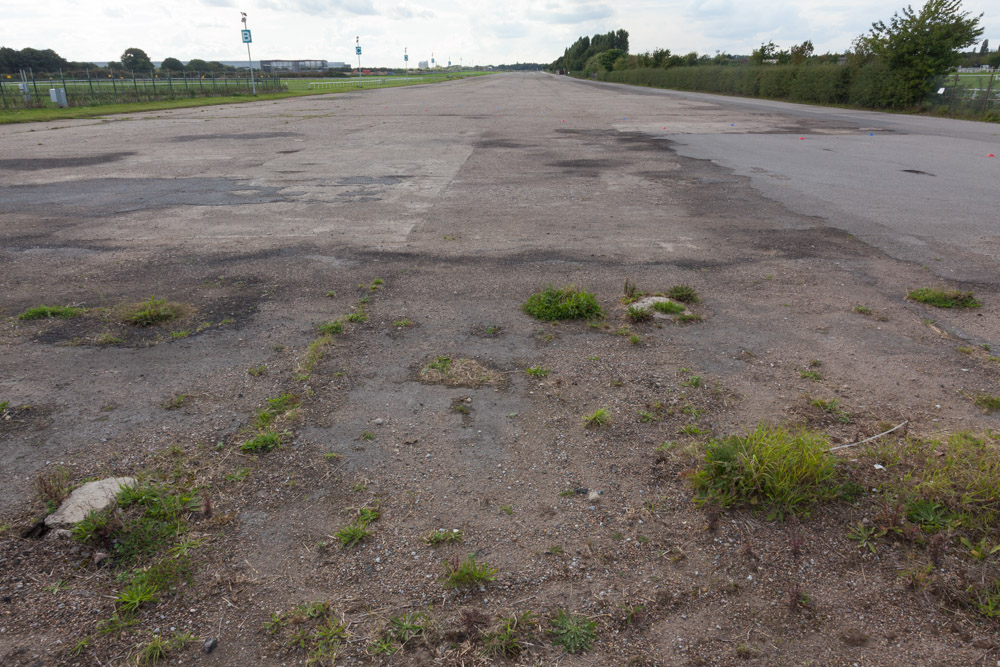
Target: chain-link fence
(25,90)
(975,94)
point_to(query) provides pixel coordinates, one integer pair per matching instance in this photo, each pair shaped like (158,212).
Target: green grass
(468,573)
(153,311)
(402,323)
(567,303)
(637,314)
(331,328)
(351,534)
(944,298)
(683,293)
(276,407)
(296,88)
(810,375)
(575,633)
(668,307)
(537,371)
(358,316)
(862,310)
(265,441)
(507,640)
(688,319)
(440,364)
(958,474)
(49,312)
(987,402)
(600,417)
(768,468)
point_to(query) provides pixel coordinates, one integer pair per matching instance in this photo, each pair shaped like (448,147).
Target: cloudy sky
(473,32)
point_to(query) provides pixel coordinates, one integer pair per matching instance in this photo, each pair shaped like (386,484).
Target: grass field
(295,88)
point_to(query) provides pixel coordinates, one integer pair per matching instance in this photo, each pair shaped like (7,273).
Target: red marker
(802,138)
(664,128)
(991,155)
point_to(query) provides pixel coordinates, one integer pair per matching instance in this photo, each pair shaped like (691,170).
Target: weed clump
(567,303)
(265,441)
(769,467)
(573,632)
(683,293)
(600,417)
(48,312)
(468,573)
(333,327)
(154,311)
(944,298)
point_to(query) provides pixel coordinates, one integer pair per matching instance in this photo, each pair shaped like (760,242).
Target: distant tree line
(894,64)
(49,63)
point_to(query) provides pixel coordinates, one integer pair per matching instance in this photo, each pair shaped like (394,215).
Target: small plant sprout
(599,417)
(402,323)
(440,364)
(367,435)
(265,441)
(537,371)
(865,536)
(694,381)
(810,375)
(443,536)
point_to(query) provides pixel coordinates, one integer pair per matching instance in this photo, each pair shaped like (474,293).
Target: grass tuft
(468,573)
(599,417)
(668,307)
(769,467)
(552,303)
(944,298)
(331,328)
(154,311)
(47,312)
(683,293)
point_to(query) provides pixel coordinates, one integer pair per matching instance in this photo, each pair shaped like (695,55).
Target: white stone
(89,497)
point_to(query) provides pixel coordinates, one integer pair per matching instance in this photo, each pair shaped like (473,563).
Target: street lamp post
(246,40)
(406,63)
(357,49)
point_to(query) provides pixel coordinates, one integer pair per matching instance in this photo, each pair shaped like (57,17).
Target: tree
(136,60)
(197,65)
(171,65)
(607,59)
(917,46)
(766,52)
(802,52)
(985,48)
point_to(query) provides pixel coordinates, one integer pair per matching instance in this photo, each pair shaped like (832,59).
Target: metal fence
(354,82)
(24,90)
(968,94)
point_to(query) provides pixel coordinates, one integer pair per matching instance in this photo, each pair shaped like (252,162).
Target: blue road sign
(357,49)
(406,57)
(246,36)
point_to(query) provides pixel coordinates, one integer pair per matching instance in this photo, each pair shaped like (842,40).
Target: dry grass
(461,373)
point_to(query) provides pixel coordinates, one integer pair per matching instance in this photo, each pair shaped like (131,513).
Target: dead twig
(874,437)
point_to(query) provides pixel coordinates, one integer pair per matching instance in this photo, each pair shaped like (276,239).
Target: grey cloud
(219,3)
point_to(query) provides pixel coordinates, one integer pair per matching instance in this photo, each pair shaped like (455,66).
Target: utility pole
(246,40)
(406,63)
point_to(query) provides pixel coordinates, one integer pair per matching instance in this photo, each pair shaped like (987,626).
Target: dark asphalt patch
(370,180)
(37,164)
(102,197)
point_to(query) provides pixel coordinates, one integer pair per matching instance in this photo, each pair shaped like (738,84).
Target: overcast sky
(473,32)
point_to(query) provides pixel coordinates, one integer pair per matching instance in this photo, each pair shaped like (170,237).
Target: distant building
(422,64)
(336,65)
(292,65)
